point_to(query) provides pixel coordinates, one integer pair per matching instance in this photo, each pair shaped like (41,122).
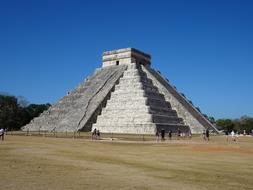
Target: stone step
(118,121)
(125,94)
(162,111)
(135,102)
(136,85)
(134,79)
(167,119)
(139,117)
(145,128)
(131,71)
(123,110)
(135,98)
(157,103)
(126,104)
(159,111)
(125,114)
(136,90)
(133,74)
(132,67)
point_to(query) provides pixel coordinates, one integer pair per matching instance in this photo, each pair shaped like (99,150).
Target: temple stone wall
(137,107)
(184,109)
(73,111)
(125,56)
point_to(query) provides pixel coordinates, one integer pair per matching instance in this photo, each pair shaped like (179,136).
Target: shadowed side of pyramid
(191,116)
(78,110)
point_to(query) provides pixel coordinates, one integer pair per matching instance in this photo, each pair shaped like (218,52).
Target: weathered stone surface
(191,116)
(125,56)
(145,111)
(76,110)
(124,96)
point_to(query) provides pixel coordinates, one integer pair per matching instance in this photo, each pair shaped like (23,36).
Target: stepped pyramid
(125,95)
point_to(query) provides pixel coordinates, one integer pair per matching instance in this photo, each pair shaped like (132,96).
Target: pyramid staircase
(136,106)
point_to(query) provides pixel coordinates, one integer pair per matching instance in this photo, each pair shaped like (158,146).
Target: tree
(9,111)
(22,101)
(238,125)
(225,124)
(14,115)
(246,123)
(34,110)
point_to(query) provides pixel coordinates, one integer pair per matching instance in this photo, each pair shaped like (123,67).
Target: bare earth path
(44,163)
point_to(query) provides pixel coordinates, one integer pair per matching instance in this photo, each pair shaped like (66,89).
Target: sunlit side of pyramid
(124,96)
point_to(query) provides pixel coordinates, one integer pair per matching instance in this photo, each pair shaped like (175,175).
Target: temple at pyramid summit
(125,95)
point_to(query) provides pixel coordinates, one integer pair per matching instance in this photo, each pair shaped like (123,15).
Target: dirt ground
(29,162)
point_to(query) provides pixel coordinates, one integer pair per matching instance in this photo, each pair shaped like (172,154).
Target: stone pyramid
(124,96)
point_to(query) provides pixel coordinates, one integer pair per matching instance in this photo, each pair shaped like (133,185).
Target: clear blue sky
(205,48)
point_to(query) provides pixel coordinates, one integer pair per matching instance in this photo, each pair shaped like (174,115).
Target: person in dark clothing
(94,134)
(204,135)
(227,133)
(178,134)
(98,134)
(207,134)
(163,134)
(170,134)
(157,136)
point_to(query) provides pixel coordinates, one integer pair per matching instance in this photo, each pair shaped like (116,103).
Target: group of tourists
(95,135)
(234,136)
(160,136)
(183,134)
(2,134)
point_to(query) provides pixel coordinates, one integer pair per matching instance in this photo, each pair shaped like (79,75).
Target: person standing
(227,133)
(233,135)
(98,134)
(163,134)
(189,134)
(2,134)
(237,136)
(157,136)
(204,135)
(207,134)
(178,134)
(94,134)
(170,134)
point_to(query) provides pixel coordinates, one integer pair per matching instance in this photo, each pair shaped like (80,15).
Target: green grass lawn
(30,162)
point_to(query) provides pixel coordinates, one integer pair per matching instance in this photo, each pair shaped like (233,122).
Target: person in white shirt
(233,135)
(2,134)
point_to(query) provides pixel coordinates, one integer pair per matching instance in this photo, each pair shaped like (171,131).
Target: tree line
(14,113)
(241,125)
